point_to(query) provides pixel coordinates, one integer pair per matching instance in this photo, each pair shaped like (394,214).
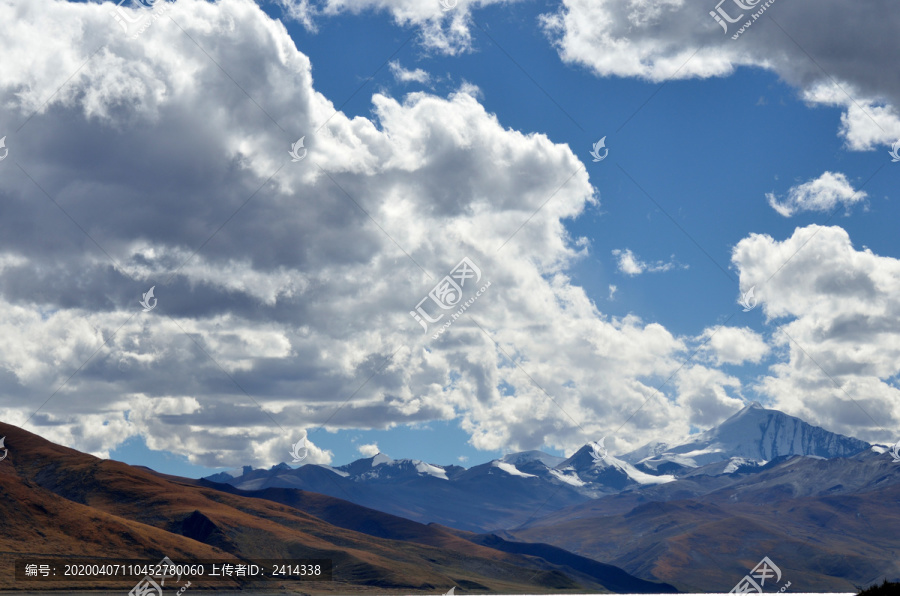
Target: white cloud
(866,122)
(704,392)
(369,450)
(734,345)
(300,302)
(404,75)
(634,38)
(612,291)
(841,307)
(629,264)
(821,194)
(831,63)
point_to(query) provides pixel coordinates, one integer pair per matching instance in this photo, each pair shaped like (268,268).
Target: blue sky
(706,149)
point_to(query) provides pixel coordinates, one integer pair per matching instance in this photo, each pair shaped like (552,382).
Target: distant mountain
(372,470)
(599,473)
(482,498)
(57,502)
(501,493)
(514,489)
(754,434)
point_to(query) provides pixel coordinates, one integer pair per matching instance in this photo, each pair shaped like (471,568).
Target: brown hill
(58,502)
(384,525)
(833,543)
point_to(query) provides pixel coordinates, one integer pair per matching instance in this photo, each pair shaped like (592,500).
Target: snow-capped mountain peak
(604,473)
(754,434)
(380,467)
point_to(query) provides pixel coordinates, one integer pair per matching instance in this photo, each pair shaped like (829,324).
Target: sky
(634,222)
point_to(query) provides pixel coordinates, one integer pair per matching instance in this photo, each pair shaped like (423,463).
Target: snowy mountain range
(509,491)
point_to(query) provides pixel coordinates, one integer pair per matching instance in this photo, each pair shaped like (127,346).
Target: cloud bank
(284,288)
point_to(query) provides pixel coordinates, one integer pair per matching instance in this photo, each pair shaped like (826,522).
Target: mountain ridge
(492,496)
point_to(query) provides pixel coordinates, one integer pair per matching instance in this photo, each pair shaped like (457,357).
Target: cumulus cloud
(708,394)
(404,75)
(821,194)
(630,264)
(660,40)
(284,288)
(734,345)
(866,122)
(369,450)
(836,311)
